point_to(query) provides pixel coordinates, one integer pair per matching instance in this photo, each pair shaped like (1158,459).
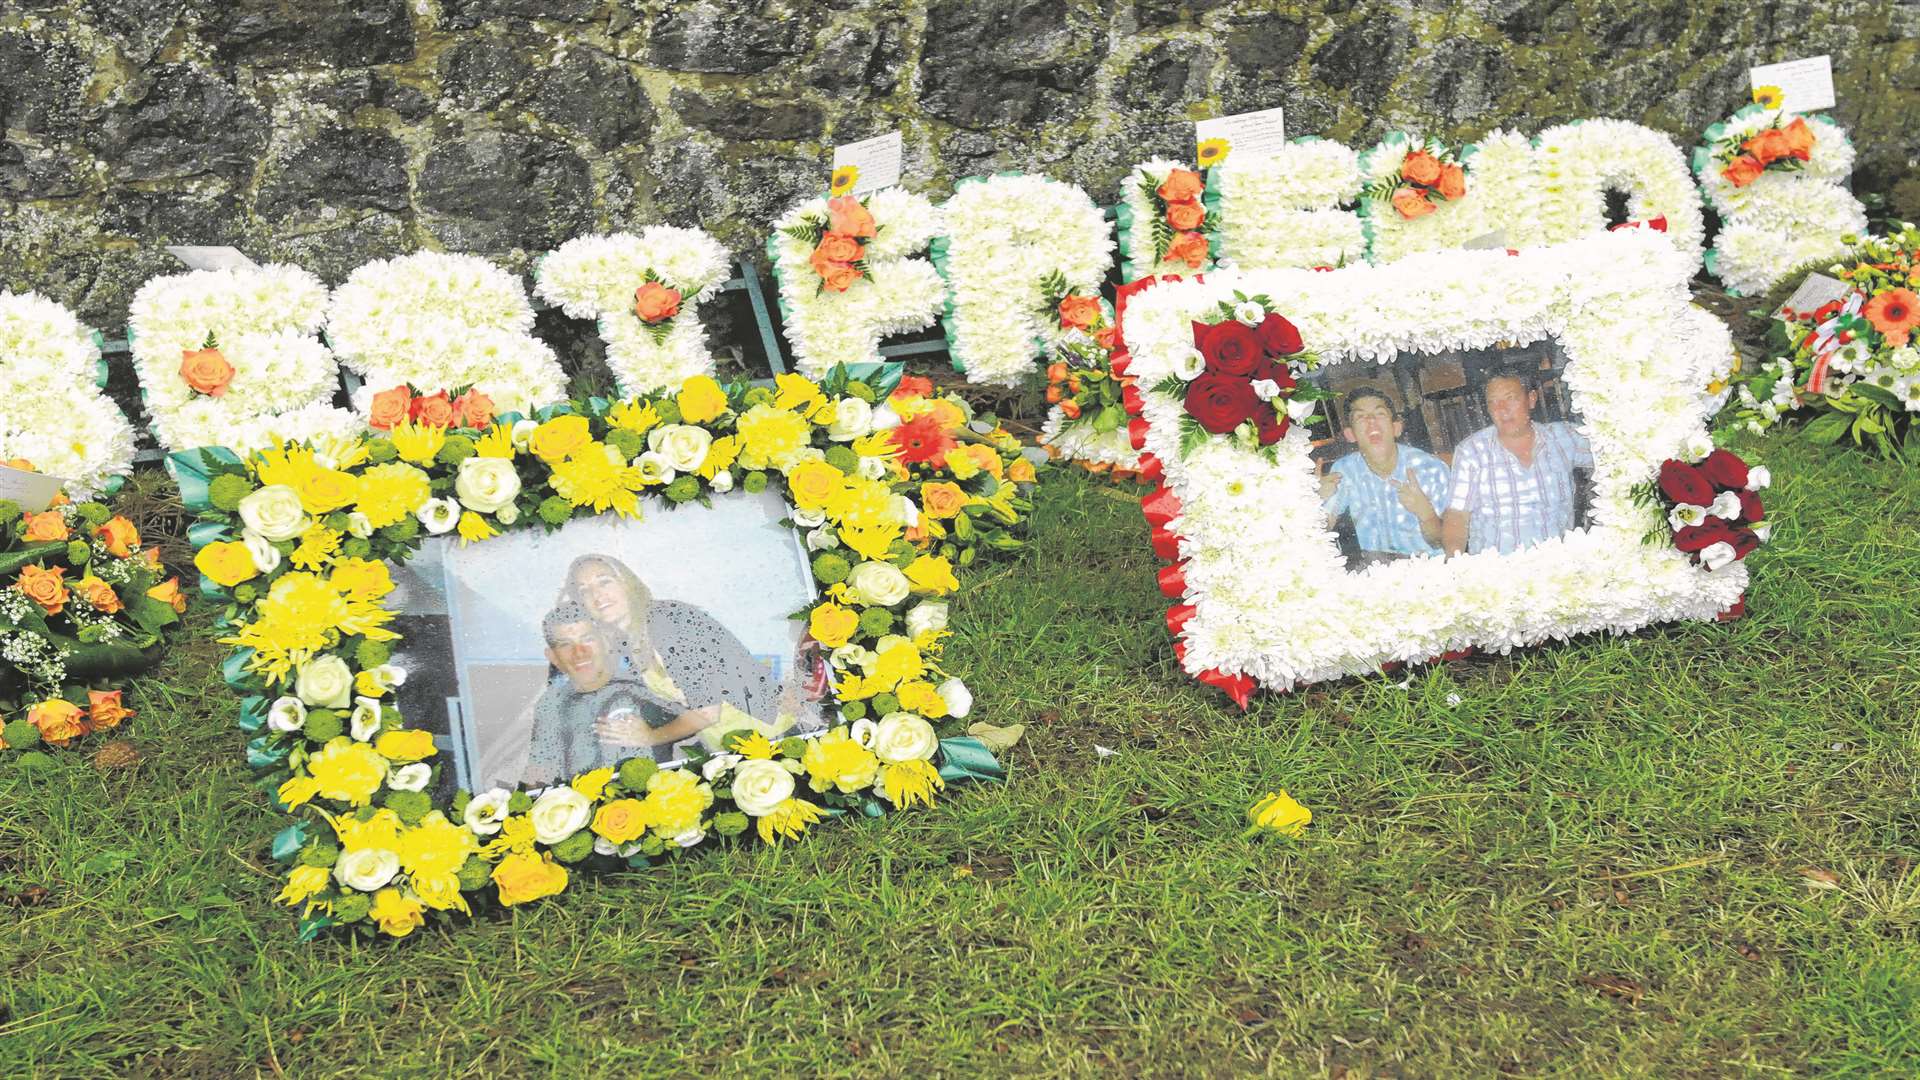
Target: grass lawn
(1685,853)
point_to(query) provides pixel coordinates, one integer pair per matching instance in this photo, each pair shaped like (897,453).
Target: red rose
(1743,541)
(1276,370)
(1272,431)
(1230,347)
(1725,470)
(1221,402)
(1704,535)
(1750,508)
(1683,483)
(1279,336)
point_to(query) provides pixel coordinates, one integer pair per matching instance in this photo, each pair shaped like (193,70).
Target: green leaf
(1828,429)
(1879,396)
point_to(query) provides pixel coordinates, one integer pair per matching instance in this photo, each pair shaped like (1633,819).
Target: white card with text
(1805,85)
(1245,135)
(33,491)
(1814,293)
(211,258)
(876,161)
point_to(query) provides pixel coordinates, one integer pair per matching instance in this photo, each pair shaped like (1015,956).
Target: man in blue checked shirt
(1389,489)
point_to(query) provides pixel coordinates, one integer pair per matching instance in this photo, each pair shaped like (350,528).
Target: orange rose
(1453,181)
(1743,170)
(1181,186)
(847,217)
(120,537)
(1106,337)
(474,409)
(434,410)
(105,709)
(1421,168)
(835,276)
(1021,471)
(654,302)
(1186,216)
(44,587)
(1769,146)
(983,456)
(46,525)
(99,594)
(943,500)
(206,370)
(1189,248)
(1079,312)
(837,247)
(168,592)
(390,408)
(60,721)
(1411,203)
(1799,139)
(911,386)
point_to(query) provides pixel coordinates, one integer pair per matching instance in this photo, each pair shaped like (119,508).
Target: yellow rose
(552,441)
(405,746)
(227,562)
(1277,812)
(814,484)
(700,399)
(621,821)
(397,915)
(1021,471)
(832,625)
(524,876)
(942,500)
(932,574)
(323,491)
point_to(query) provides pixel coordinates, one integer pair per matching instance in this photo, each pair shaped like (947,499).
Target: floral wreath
(644,292)
(1286,209)
(1776,182)
(52,411)
(1167,219)
(893,493)
(1578,162)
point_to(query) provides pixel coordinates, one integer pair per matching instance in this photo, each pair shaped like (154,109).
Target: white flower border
(1286,209)
(439,321)
(1079,442)
(901,293)
(266,321)
(1578,163)
(594,277)
(52,412)
(1783,220)
(1134,224)
(1005,234)
(1271,594)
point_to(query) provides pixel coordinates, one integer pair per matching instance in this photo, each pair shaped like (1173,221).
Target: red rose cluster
(1238,355)
(1722,472)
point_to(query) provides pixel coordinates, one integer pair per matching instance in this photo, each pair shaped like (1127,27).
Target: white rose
(1685,514)
(878,583)
(274,512)
(1266,389)
(1248,313)
(654,468)
(364,723)
(885,419)
(852,418)
(822,539)
(903,737)
(690,837)
(287,714)
(927,616)
(522,431)
(1300,411)
(1697,447)
(809,519)
(1188,365)
(718,764)
(508,514)
(265,556)
(872,468)
(486,811)
(760,786)
(1725,505)
(1717,555)
(438,515)
(485,484)
(366,869)
(558,813)
(683,446)
(604,846)
(863,730)
(721,483)
(959,699)
(1758,478)
(847,656)
(412,777)
(324,682)
(359,524)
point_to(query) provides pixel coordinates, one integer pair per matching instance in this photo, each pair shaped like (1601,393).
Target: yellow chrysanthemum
(843,180)
(871,541)
(720,456)
(381,829)
(598,476)
(338,451)
(675,801)
(318,545)
(517,834)
(909,782)
(835,760)
(770,436)
(861,503)
(897,663)
(592,784)
(418,443)
(473,528)
(496,443)
(633,416)
(754,745)
(701,398)
(301,614)
(345,771)
(1211,152)
(797,393)
(392,492)
(880,444)
(432,853)
(788,820)
(303,882)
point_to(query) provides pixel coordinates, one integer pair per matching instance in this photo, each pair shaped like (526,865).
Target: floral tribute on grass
(1851,364)
(1710,505)
(1166,221)
(837,312)
(1241,378)
(1087,423)
(82,609)
(644,292)
(52,411)
(1776,180)
(894,491)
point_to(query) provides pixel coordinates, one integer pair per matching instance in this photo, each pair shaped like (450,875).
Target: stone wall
(330,132)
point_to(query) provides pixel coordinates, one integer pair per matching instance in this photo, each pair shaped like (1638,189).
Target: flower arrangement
(1165,224)
(81,608)
(1287,209)
(434,319)
(1088,419)
(1402,217)
(309,532)
(1241,377)
(233,357)
(1708,505)
(895,292)
(1429,175)
(1012,242)
(1777,184)
(644,291)
(52,412)
(1851,361)
(1578,163)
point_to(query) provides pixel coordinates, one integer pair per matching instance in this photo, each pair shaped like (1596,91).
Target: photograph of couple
(1462,452)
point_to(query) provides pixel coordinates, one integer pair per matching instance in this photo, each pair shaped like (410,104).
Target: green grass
(1575,861)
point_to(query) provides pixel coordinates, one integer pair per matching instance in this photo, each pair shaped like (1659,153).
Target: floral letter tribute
(1285,210)
(1166,224)
(1776,179)
(1420,196)
(1579,162)
(52,413)
(645,292)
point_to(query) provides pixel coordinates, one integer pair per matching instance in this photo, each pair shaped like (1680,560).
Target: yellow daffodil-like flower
(344,771)
(815,484)
(797,393)
(432,853)
(832,625)
(597,476)
(871,541)
(338,451)
(770,436)
(621,821)
(754,746)
(496,443)
(932,574)
(701,399)
(720,457)
(227,563)
(843,180)
(361,579)
(919,696)
(391,492)
(524,876)
(835,760)
(1278,813)
(304,882)
(897,663)
(552,441)
(857,687)
(397,915)
(517,834)
(788,820)
(592,784)
(909,782)
(405,746)
(880,444)
(317,546)
(633,416)
(418,443)
(1768,97)
(474,528)
(1211,152)
(675,800)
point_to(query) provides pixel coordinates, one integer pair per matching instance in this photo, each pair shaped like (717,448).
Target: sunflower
(1212,152)
(1768,97)
(844,177)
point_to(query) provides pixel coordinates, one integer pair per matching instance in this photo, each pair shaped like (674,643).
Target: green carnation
(635,772)
(668,409)
(793,746)
(830,568)
(862,391)
(401,531)
(876,622)
(555,510)
(629,443)
(683,489)
(94,513)
(456,449)
(371,654)
(356,547)
(842,457)
(652,845)
(853,710)
(78,552)
(381,451)
(885,703)
(20,734)
(757,395)
(519,803)
(352,907)
(755,482)
(227,489)
(410,805)
(475,873)
(319,853)
(732,823)
(322,724)
(10,511)
(575,847)
(245,593)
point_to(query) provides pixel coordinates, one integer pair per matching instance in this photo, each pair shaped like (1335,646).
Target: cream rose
(274,512)
(683,446)
(852,418)
(558,813)
(760,786)
(879,583)
(366,869)
(721,483)
(485,484)
(929,616)
(822,539)
(287,714)
(324,682)
(359,524)
(810,518)
(903,737)
(486,811)
(959,699)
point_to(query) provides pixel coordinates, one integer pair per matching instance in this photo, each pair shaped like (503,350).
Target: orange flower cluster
(1181,192)
(655,303)
(1425,178)
(1764,148)
(1082,313)
(60,721)
(398,405)
(842,244)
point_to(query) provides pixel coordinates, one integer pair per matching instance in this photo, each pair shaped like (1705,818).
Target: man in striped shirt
(1513,482)
(1391,490)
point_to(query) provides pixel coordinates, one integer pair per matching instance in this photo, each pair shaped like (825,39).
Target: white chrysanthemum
(1285,209)
(1783,219)
(52,412)
(595,277)
(1577,164)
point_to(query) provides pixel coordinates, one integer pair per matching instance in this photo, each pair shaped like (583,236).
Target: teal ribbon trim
(1123,230)
(253,713)
(234,671)
(313,926)
(266,751)
(190,470)
(288,842)
(967,758)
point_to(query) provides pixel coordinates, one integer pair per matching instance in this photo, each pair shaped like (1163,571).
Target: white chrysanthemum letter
(440,322)
(645,292)
(1776,180)
(52,413)
(1418,196)
(1012,243)
(233,358)
(1579,163)
(1164,221)
(1285,210)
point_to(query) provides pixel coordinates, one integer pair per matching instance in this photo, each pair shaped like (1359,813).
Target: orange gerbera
(923,439)
(1894,313)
